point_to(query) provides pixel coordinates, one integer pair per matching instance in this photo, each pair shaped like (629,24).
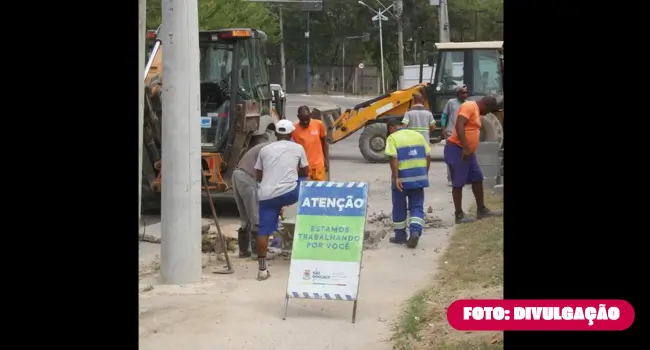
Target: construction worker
(409,165)
(460,156)
(418,118)
(278,167)
(245,190)
(449,116)
(310,134)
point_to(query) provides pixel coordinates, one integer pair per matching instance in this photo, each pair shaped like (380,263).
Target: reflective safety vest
(411,150)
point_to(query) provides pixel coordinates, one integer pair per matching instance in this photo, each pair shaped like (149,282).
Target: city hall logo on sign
(306,275)
(413,152)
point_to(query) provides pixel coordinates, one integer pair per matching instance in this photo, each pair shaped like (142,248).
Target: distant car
(278,87)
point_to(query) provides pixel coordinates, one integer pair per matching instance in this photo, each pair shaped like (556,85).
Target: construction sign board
(328,242)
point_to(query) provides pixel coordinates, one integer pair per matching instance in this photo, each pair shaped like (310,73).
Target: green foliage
(470,20)
(218,14)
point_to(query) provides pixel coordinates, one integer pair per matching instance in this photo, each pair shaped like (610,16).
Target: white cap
(284,127)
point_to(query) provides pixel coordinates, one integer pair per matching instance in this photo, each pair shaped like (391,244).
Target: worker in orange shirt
(310,134)
(461,159)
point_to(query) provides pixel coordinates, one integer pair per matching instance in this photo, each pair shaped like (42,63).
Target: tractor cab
(477,65)
(233,70)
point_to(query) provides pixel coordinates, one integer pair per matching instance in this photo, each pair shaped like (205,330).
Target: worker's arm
(445,114)
(258,167)
(461,121)
(432,123)
(323,142)
(405,119)
(391,151)
(427,148)
(303,164)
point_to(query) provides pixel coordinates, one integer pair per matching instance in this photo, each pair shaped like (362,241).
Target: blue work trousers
(404,203)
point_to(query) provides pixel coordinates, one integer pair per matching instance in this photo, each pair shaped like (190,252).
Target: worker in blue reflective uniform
(409,164)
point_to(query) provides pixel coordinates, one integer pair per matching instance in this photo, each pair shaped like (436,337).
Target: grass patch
(470,268)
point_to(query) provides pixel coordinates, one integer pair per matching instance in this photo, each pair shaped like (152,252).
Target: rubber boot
(253,245)
(243,242)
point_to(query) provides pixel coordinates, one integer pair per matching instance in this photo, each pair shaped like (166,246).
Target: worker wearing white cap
(277,168)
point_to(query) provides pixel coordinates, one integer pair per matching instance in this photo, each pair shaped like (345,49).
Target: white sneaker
(263,274)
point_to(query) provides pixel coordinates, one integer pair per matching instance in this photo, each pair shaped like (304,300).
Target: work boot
(413,240)
(486,213)
(242,242)
(399,237)
(396,240)
(462,219)
(263,274)
(253,243)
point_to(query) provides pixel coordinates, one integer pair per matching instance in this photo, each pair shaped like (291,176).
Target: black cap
(394,122)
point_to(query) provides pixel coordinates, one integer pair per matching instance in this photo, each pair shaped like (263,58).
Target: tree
(218,14)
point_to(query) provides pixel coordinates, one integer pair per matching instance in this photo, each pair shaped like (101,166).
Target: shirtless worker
(280,166)
(311,135)
(460,156)
(245,190)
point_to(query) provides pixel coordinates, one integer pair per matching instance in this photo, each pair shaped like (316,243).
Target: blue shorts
(462,172)
(270,210)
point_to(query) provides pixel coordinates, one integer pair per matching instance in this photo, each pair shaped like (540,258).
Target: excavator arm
(371,115)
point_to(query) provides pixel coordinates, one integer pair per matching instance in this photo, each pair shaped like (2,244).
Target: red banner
(542,315)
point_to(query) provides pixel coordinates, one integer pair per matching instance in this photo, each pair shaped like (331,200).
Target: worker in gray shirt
(449,114)
(245,189)
(418,118)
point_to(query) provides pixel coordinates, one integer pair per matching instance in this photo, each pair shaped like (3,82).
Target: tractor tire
(491,129)
(372,143)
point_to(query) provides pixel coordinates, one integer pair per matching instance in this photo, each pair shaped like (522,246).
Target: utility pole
(181,145)
(380,17)
(400,42)
(308,69)
(443,19)
(282,66)
(142,35)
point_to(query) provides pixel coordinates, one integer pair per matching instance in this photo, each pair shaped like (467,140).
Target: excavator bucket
(327,116)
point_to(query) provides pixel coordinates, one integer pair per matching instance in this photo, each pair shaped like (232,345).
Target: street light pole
(379,17)
(282,66)
(181,145)
(400,43)
(343,68)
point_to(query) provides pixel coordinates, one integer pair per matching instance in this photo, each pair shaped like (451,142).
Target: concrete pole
(181,145)
(282,66)
(400,43)
(142,35)
(381,54)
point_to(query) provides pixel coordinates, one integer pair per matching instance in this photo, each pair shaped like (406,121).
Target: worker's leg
(476,179)
(269,212)
(317,174)
(416,211)
(460,170)
(399,216)
(268,215)
(240,191)
(251,204)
